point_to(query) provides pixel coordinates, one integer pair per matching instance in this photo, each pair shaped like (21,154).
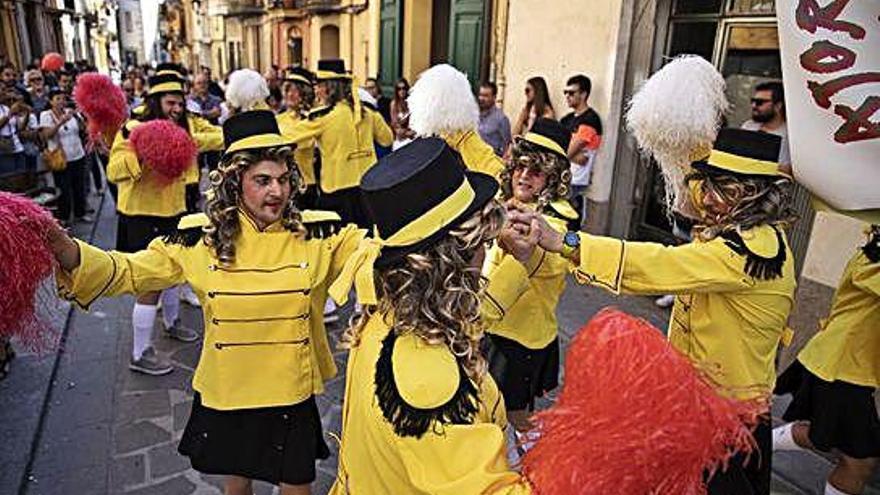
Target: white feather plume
(366,97)
(441,102)
(247,90)
(675,117)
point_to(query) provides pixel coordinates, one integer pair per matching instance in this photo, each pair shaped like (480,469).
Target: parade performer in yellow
(442,104)
(299,96)
(261,269)
(835,377)
(344,131)
(734,284)
(523,349)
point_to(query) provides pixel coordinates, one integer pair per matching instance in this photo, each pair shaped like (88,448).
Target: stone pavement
(90,426)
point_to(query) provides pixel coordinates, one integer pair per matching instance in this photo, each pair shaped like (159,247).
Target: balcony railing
(245,7)
(318,6)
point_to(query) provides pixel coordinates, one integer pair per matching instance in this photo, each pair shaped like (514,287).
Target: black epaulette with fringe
(872,247)
(321,224)
(319,112)
(128,127)
(189,231)
(411,421)
(758,266)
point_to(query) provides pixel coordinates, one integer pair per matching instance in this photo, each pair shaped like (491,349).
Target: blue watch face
(571,239)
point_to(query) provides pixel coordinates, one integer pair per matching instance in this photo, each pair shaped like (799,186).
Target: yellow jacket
(467,456)
(347,150)
(265,342)
(531,320)
(208,137)
(478,156)
(726,321)
(304,154)
(848,347)
(142,191)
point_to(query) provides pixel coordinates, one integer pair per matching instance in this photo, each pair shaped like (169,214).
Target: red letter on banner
(824,57)
(810,16)
(857,125)
(822,92)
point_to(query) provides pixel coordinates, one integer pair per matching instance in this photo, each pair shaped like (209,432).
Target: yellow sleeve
(306,129)
(123,163)
(102,274)
(382,133)
(508,280)
(478,156)
(344,244)
(651,268)
(208,137)
(464,459)
(867,278)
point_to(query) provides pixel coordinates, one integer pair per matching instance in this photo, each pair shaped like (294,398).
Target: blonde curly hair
(435,293)
(224,198)
(555,168)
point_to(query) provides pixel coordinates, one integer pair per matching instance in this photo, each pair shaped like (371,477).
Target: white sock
(513,457)
(830,490)
(783,439)
(170,305)
(142,319)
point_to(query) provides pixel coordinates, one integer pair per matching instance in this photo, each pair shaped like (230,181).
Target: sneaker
(179,332)
(665,301)
(150,363)
(188,296)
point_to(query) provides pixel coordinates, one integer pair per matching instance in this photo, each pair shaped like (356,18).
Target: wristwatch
(571,242)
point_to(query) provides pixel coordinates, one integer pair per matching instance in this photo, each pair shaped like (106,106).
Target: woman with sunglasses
(400,114)
(538,104)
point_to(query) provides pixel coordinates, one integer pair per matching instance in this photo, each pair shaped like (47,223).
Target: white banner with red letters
(831,73)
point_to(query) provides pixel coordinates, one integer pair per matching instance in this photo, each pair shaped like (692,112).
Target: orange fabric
(589,135)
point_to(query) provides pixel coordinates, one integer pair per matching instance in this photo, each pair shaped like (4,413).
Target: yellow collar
(248,224)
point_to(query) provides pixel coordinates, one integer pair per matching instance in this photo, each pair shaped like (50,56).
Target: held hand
(63,247)
(519,241)
(528,220)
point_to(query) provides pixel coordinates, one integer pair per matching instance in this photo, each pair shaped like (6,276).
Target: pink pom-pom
(164,147)
(102,102)
(27,261)
(52,62)
(635,417)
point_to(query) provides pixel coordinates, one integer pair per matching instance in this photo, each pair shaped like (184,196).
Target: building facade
(131,33)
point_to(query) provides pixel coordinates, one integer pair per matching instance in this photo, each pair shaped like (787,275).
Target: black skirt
(522,374)
(134,232)
(842,415)
(272,444)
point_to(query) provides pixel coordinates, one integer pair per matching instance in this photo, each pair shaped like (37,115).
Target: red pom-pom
(52,62)
(634,417)
(102,102)
(164,147)
(27,261)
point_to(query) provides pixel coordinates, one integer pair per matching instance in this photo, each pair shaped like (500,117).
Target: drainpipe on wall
(496,67)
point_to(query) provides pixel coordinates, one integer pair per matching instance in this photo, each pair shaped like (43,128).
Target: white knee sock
(170,305)
(830,490)
(783,438)
(142,319)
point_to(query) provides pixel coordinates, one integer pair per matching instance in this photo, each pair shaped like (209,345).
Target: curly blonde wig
(753,201)
(224,198)
(555,168)
(435,293)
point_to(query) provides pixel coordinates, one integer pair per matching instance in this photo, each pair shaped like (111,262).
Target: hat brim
(258,141)
(543,142)
(326,75)
(165,87)
(734,164)
(297,78)
(704,166)
(485,188)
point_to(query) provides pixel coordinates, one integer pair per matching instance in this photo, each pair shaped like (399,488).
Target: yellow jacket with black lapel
(304,154)
(265,342)
(346,143)
(733,297)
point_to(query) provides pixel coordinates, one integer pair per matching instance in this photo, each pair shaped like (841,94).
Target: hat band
(257,141)
(545,142)
(741,165)
(329,74)
(169,72)
(166,87)
(358,270)
(298,78)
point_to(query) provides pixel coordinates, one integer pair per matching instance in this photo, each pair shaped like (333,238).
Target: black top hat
(255,129)
(550,135)
(299,74)
(165,83)
(332,68)
(744,153)
(424,176)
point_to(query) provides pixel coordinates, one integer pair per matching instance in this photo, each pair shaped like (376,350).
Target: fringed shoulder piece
(872,247)
(420,387)
(321,224)
(129,126)
(561,209)
(189,230)
(319,112)
(763,248)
